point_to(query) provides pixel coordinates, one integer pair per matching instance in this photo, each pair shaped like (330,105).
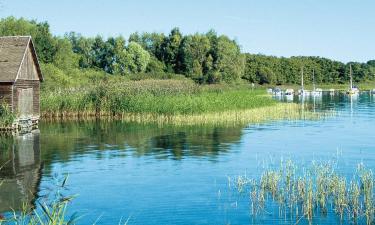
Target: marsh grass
(280,111)
(177,102)
(6,115)
(313,191)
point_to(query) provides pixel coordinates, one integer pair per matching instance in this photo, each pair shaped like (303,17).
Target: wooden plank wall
(23,84)
(28,69)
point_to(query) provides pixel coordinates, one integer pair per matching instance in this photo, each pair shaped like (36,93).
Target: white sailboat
(352,90)
(302,91)
(289,91)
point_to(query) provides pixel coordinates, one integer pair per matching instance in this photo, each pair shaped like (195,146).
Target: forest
(206,58)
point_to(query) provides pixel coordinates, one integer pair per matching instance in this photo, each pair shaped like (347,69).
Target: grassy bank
(176,101)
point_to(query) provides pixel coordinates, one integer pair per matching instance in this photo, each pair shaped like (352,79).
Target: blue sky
(338,29)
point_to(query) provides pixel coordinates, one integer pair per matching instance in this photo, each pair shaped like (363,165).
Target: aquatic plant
(6,115)
(48,213)
(314,190)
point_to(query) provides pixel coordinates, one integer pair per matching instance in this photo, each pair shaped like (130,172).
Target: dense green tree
(193,53)
(155,66)
(64,57)
(139,58)
(98,53)
(83,47)
(170,48)
(230,62)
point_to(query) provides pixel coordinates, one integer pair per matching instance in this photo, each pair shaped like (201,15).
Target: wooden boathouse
(20,78)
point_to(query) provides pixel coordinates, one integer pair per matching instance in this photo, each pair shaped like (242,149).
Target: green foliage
(193,52)
(65,58)
(171,46)
(167,97)
(229,61)
(48,213)
(139,58)
(205,58)
(44,42)
(6,115)
(155,66)
(273,70)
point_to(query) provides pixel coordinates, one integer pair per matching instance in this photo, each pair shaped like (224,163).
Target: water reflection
(79,138)
(21,170)
(178,175)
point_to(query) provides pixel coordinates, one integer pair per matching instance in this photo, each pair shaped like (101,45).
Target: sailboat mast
(351,76)
(302,78)
(313,79)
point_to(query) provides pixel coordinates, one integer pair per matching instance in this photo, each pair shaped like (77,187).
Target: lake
(178,175)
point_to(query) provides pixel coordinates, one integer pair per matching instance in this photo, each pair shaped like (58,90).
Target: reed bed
(177,102)
(308,192)
(233,117)
(280,111)
(6,116)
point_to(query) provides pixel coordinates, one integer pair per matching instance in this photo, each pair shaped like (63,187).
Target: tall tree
(170,48)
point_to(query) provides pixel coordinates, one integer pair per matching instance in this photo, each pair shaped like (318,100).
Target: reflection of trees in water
(21,170)
(201,142)
(64,140)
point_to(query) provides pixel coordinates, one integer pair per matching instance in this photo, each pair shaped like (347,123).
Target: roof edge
(33,51)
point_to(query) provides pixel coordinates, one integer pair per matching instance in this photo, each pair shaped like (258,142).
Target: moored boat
(315,91)
(302,91)
(277,91)
(289,92)
(353,90)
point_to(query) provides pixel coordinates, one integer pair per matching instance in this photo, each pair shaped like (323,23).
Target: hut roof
(12,52)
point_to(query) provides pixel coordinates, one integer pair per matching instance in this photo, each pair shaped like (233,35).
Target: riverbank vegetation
(178,102)
(154,77)
(49,211)
(309,192)
(203,57)
(6,116)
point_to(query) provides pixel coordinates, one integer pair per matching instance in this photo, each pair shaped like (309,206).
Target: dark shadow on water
(64,141)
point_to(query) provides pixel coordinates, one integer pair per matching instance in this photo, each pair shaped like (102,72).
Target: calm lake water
(178,175)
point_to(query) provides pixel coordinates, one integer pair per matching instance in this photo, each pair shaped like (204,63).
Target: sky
(342,30)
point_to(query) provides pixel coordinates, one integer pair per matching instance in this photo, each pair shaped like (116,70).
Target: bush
(6,115)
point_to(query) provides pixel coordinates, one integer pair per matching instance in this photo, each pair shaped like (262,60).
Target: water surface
(178,175)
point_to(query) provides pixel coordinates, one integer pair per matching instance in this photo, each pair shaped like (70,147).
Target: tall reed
(315,190)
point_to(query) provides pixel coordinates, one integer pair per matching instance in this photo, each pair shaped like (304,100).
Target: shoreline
(279,111)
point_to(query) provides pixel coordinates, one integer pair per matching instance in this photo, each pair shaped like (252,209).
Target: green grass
(6,116)
(156,97)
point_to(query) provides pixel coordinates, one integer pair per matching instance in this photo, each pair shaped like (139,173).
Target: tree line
(203,57)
